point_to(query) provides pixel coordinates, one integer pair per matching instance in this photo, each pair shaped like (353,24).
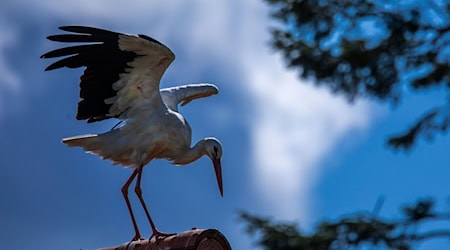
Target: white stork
(121,80)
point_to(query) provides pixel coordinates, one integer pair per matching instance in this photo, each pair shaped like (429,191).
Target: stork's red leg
(125,187)
(157,234)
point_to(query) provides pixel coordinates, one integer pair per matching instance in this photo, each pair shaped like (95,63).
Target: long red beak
(218,170)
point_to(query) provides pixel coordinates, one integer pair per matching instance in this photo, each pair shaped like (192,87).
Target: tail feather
(101,145)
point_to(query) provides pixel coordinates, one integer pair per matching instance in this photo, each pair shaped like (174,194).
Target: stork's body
(135,144)
(161,135)
(121,80)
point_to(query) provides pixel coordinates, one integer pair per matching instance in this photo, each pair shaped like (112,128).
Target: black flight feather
(104,62)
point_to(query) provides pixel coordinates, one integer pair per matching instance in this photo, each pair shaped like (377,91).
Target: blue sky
(291,151)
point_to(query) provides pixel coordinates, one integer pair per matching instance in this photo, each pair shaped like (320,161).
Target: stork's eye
(215,149)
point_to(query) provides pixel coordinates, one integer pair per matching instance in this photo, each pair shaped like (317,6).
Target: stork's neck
(192,154)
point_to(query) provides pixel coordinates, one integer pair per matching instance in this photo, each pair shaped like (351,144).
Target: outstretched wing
(185,93)
(122,72)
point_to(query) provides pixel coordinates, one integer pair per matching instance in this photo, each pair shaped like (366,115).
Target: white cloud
(296,125)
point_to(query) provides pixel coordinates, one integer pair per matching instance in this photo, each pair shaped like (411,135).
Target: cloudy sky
(291,151)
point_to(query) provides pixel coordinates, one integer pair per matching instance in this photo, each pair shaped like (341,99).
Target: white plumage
(121,80)
(170,135)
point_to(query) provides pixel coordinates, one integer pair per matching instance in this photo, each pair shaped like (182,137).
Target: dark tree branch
(430,235)
(352,231)
(436,120)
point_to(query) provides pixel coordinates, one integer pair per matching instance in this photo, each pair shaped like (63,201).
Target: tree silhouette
(377,49)
(354,231)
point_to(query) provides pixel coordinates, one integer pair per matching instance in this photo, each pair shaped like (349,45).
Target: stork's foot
(160,235)
(137,237)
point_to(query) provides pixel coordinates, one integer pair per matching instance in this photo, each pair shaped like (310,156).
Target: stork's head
(213,150)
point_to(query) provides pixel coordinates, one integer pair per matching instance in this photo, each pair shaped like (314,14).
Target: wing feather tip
(52,67)
(71,28)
